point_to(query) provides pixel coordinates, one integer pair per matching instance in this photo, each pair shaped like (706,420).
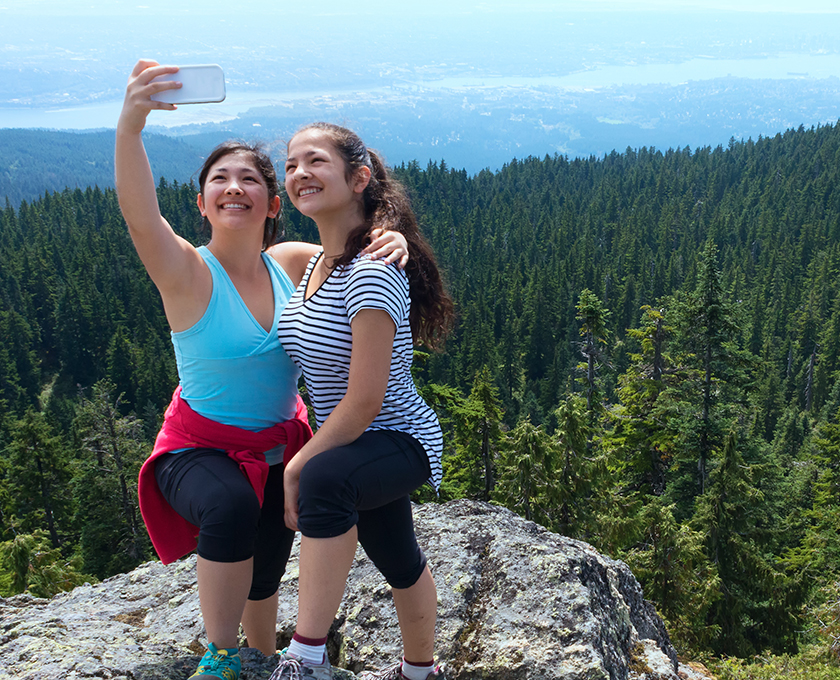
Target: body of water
(104,115)
(776,68)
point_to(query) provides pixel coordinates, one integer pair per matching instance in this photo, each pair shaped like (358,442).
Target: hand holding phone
(200,84)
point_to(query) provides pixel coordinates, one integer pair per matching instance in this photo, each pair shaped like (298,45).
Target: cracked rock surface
(515,602)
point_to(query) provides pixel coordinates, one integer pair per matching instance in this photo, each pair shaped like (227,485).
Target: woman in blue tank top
(222,303)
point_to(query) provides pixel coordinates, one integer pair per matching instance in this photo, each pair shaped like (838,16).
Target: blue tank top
(231,369)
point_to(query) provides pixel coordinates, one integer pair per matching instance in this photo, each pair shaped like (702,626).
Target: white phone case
(200,84)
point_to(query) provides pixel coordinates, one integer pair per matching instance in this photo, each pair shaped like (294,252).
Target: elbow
(368,409)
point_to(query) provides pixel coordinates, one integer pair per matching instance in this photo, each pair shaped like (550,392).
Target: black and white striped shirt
(316,334)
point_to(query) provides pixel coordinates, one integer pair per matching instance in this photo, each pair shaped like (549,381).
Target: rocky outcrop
(515,602)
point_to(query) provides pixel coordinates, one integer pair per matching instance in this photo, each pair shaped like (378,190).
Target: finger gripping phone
(200,84)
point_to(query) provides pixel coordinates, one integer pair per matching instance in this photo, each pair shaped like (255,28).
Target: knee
(320,476)
(403,572)
(326,503)
(263,589)
(229,526)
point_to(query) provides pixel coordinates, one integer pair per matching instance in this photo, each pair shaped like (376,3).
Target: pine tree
(113,538)
(818,556)
(710,396)
(526,471)
(20,374)
(122,369)
(473,425)
(707,327)
(671,564)
(593,329)
(573,478)
(637,436)
(29,564)
(758,607)
(486,426)
(39,471)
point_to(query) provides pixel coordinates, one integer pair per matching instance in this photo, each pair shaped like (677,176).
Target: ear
(199,199)
(274,207)
(362,179)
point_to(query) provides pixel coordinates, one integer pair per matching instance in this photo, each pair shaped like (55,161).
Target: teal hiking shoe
(219,663)
(292,667)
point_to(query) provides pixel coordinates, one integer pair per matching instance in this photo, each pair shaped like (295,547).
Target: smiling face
(318,181)
(235,193)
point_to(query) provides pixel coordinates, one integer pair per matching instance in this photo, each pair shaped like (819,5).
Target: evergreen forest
(647,358)
(34,161)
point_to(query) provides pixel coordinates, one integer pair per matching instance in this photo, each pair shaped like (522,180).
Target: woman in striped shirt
(350,326)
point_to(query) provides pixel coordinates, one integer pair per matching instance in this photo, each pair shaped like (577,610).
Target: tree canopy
(647,358)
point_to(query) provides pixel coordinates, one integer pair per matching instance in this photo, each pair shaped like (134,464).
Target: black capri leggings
(207,488)
(367,483)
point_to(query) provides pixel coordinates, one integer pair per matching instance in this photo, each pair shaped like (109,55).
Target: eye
(289,168)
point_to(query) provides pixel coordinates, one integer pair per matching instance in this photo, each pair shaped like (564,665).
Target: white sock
(417,672)
(315,654)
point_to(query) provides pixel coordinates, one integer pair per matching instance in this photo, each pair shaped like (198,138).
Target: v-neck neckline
(274,314)
(307,293)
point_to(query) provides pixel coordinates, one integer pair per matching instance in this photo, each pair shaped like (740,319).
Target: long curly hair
(386,206)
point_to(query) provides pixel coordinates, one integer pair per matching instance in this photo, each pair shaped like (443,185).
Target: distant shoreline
(104,114)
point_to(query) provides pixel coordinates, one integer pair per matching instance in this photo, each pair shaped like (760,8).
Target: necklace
(333,258)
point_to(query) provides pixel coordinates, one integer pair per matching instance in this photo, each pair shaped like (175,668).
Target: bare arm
(172,262)
(370,367)
(293,256)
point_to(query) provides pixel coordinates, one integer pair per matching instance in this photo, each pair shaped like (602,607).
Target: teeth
(312,190)
(234,206)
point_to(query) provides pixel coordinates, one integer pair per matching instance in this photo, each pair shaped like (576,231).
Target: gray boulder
(515,602)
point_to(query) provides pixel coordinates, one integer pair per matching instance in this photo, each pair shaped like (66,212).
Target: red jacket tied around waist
(172,535)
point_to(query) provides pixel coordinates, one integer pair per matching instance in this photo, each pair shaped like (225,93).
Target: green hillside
(33,162)
(647,358)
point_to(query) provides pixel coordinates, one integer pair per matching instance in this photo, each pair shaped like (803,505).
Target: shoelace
(393,673)
(222,662)
(219,661)
(293,668)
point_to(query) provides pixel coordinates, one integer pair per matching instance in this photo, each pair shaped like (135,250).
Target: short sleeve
(372,284)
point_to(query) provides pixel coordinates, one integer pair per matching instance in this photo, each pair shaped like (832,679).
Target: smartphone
(200,84)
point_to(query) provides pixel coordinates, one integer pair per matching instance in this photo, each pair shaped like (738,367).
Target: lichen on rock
(515,602)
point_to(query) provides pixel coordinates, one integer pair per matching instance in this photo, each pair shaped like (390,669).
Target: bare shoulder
(186,296)
(293,256)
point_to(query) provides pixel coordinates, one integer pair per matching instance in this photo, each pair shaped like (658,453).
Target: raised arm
(172,262)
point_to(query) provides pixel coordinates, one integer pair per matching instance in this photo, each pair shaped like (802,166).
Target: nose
(233,187)
(301,172)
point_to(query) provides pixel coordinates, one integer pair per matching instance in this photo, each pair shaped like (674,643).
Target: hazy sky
(807,6)
(64,64)
(443,7)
